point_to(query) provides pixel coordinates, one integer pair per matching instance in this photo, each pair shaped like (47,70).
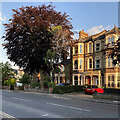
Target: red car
(93,89)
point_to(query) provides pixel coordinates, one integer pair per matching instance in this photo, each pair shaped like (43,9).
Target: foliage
(51,84)
(7,71)
(47,79)
(114,52)
(51,59)
(112,91)
(35,84)
(61,40)
(67,89)
(10,81)
(28,36)
(25,79)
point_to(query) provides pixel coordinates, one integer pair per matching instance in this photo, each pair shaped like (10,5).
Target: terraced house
(91,64)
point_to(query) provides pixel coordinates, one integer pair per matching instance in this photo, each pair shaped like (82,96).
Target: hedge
(111,91)
(67,89)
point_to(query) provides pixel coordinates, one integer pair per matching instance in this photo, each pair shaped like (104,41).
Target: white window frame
(111,81)
(109,62)
(89,63)
(77,64)
(89,47)
(81,48)
(80,64)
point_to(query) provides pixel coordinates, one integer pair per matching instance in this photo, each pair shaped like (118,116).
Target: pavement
(19,104)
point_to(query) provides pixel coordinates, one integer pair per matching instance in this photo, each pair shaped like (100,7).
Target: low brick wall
(107,96)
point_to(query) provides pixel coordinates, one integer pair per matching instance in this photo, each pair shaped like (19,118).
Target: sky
(93,17)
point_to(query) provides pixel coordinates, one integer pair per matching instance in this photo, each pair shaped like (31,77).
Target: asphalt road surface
(38,105)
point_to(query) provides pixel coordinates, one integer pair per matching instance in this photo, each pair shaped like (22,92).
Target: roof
(114,30)
(99,36)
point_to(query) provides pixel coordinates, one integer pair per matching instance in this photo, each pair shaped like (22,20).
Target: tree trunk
(41,79)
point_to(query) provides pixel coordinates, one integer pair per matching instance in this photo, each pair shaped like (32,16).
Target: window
(76,64)
(97,64)
(110,62)
(111,81)
(90,63)
(80,80)
(80,48)
(86,48)
(111,40)
(90,47)
(118,81)
(80,64)
(76,49)
(76,80)
(97,46)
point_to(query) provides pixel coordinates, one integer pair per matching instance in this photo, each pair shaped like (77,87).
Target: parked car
(92,89)
(64,84)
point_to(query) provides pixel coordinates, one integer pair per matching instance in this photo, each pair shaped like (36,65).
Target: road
(39,105)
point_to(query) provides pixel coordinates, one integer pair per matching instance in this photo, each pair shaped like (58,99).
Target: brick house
(91,64)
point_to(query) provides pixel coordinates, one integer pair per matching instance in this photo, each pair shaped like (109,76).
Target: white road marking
(61,98)
(75,108)
(45,115)
(116,101)
(21,99)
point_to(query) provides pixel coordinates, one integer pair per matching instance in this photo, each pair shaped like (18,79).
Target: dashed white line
(75,108)
(45,115)
(116,101)
(61,98)
(21,99)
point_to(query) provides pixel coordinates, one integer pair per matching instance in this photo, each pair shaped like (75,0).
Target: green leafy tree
(51,59)
(115,53)
(25,79)
(10,81)
(7,71)
(61,40)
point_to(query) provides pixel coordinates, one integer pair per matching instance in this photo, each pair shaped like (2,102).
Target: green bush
(47,79)
(51,84)
(35,84)
(112,91)
(67,89)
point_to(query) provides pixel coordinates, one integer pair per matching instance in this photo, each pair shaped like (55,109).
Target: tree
(114,52)
(25,79)
(28,36)
(10,81)
(51,59)
(7,71)
(61,40)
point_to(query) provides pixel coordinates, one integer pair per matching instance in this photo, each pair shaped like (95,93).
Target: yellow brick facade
(90,63)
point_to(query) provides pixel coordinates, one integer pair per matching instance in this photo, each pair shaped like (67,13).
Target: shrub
(47,79)
(51,84)
(35,84)
(112,91)
(67,89)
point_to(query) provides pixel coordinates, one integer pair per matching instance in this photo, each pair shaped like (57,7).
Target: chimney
(83,34)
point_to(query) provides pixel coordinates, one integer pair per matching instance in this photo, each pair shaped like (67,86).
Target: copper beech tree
(29,34)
